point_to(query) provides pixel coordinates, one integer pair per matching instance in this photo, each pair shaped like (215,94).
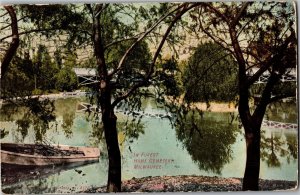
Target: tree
(241,29)
(45,69)
(105,86)
(210,74)
(98,27)
(17,81)
(66,80)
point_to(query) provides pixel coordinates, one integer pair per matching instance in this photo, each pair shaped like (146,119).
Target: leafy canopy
(210,74)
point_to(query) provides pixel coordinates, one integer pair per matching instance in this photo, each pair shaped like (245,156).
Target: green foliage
(168,77)
(281,89)
(50,19)
(70,60)
(18,81)
(138,59)
(37,92)
(45,69)
(210,74)
(89,63)
(118,21)
(66,80)
(39,75)
(136,64)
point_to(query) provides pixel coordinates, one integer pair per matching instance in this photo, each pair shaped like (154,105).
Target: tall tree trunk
(109,119)
(251,174)
(111,136)
(250,123)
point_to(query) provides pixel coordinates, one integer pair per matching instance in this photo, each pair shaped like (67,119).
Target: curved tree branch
(121,62)
(14,42)
(151,69)
(274,59)
(119,41)
(215,10)
(219,42)
(239,15)
(29,31)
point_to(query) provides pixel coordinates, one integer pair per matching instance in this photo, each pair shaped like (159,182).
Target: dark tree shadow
(207,140)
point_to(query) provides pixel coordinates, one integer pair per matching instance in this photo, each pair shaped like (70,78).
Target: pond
(152,147)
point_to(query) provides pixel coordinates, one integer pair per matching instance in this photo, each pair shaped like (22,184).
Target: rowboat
(45,155)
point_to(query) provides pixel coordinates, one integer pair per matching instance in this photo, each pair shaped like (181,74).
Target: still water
(152,147)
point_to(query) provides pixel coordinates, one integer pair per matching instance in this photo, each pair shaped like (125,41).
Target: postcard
(148,97)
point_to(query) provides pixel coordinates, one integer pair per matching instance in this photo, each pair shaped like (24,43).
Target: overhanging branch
(239,15)
(28,32)
(14,42)
(269,63)
(151,69)
(121,62)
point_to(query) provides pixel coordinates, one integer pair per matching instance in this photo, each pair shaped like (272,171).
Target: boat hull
(88,154)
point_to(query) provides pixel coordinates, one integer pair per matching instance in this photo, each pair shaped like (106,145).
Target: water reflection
(292,144)
(271,148)
(208,140)
(60,116)
(275,145)
(67,112)
(282,112)
(128,128)
(40,186)
(8,112)
(13,174)
(23,125)
(29,113)
(214,143)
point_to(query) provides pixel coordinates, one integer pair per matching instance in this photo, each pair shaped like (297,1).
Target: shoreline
(192,183)
(77,93)
(214,106)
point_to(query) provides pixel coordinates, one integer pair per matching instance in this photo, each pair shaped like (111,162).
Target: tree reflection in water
(208,140)
(41,115)
(277,145)
(34,176)
(282,112)
(32,112)
(292,144)
(129,129)
(35,187)
(67,110)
